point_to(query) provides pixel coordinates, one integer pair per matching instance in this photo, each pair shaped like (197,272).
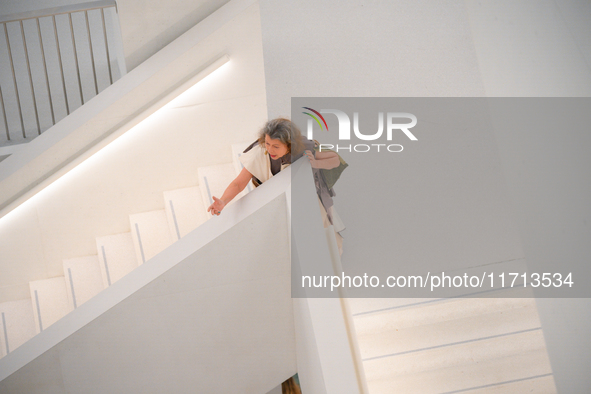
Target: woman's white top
(257,162)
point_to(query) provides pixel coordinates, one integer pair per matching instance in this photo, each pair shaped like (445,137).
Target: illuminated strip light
(125,131)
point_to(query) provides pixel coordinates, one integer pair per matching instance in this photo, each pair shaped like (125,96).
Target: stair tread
(455,354)
(83,279)
(535,385)
(51,302)
(185,210)
(151,233)
(475,373)
(117,256)
(436,312)
(17,325)
(397,340)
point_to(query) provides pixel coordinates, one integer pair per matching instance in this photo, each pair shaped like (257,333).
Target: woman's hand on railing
(216,207)
(324,160)
(235,187)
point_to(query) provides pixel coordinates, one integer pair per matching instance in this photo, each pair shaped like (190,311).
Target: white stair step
(84,279)
(214,180)
(185,210)
(369,305)
(458,354)
(150,233)
(17,324)
(435,312)
(237,150)
(117,258)
(398,340)
(535,385)
(50,301)
(477,374)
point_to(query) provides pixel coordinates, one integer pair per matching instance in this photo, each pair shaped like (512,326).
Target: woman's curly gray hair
(285,131)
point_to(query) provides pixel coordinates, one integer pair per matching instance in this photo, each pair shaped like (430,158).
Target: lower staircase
(457,345)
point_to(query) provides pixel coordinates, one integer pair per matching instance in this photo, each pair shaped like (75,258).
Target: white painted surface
(129,178)
(160,23)
(10,149)
(309,366)
(502,48)
(463,355)
(542,48)
(84,279)
(428,313)
(322,325)
(85,72)
(276,390)
(475,373)
(185,210)
(17,324)
(532,48)
(50,301)
(541,385)
(553,171)
(21,240)
(395,48)
(117,257)
(125,104)
(238,335)
(150,233)
(396,332)
(445,345)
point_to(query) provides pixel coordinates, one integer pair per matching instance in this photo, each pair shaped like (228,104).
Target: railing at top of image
(52,61)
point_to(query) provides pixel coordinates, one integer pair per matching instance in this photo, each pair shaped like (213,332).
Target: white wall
(399,49)
(451,48)
(395,48)
(543,49)
(533,48)
(162,153)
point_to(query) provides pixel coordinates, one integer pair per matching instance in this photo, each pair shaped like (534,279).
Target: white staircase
(475,345)
(117,255)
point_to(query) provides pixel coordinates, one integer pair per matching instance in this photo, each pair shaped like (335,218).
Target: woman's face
(276,148)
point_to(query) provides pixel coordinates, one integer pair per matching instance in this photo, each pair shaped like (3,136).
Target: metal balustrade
(52,61)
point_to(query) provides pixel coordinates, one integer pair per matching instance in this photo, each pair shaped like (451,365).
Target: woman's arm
(324,160)
(235,187)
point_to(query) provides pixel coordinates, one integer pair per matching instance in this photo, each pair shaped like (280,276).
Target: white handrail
(328,318)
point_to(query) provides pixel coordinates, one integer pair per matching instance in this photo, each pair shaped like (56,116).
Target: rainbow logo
(315,118)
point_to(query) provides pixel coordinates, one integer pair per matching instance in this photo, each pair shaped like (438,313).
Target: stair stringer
(211,313)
